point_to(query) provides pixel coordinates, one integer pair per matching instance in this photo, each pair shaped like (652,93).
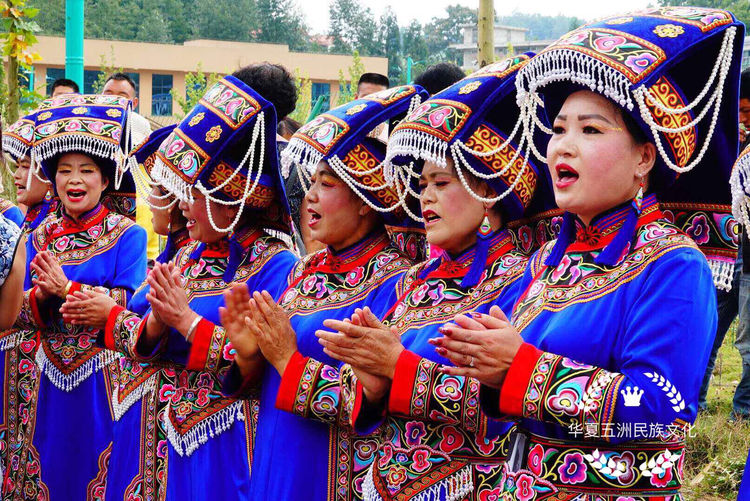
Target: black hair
(439,76)
(121,76)
(745,84)
(274,83)
(374,78)
(287,126)
(65,82)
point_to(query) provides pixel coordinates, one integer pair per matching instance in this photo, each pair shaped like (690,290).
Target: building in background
(506,38)
(159,68)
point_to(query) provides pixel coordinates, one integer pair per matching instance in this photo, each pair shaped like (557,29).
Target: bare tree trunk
(14,95)
(486,38)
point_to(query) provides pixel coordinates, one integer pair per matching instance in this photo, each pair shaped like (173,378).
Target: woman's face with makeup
(594,161)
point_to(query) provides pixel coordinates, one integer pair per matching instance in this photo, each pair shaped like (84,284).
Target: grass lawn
(718,450)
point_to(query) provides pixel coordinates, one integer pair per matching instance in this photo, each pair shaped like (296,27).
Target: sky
(316,11)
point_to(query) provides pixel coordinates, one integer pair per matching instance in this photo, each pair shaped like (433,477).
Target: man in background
(120,84)
(64,86)
(370,83)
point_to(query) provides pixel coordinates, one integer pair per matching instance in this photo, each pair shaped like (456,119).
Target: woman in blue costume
(11,212)
(466,147)
(350,201)
(233,200)
(134,399)
(604,353)
(79,142)
(20,374)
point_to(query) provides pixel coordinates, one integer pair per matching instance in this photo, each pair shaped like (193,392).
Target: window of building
(52,75)
(161,98)
(321,89)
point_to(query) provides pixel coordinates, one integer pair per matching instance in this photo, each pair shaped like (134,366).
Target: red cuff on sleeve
(204,331)
(35,307)
(74,287)
(402,387)
(290,381)
(517,379)
(109,335)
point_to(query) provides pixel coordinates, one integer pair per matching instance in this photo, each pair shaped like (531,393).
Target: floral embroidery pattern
(669,30)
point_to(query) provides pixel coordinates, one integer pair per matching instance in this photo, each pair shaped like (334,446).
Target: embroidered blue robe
(201,442)
(74,417)
(608,377)
(305,447)
(440,444)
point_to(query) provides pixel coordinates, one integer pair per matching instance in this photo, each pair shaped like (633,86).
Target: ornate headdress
(675,71)
(18,140)
(346,138)
(95,125)
(477,124)
(226,149)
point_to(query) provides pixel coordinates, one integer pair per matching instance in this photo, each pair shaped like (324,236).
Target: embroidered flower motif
(437,117)
(96,127)
(536,459)
(491,495)
(196,119)
(325,404)
(114,113)
(355,276)
(526,238)
(451,441)
(659,468)
(188,163)
(365,449)
(324,135)
(577,37)
(173,147)
(437,294)
(419,294)
(396,476)
(449,388)
(573,470)
(640,62)
(415,431)
(73,125)
(80,110)
(421,460)
(613,465)
(470,87)
(712,18)
(525,487)
(62,243)
(620,20)
(419,111)
(608,43)
(565,400)
(669,30)
(356,109)
(213,133)
(699,229)
(44,115)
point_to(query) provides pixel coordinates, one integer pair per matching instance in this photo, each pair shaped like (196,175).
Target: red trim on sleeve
(402,387)
(198,356)
(74,287)
(109,327)
(517,379)
(35,307)
(290,382)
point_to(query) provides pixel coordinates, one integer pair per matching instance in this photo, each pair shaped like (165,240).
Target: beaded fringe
(14,146)
(12,341)
(57,145)
(417,144)
(300,153)
(68,382)
(171,181)
(143,389)
(199,434)
(722,273)
(572,66)
(453,488)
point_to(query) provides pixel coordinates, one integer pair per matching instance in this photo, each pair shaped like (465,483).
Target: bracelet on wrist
(66,291)
(191,330)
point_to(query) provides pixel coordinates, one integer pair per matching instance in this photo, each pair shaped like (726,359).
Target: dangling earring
(485,228)
(638,200)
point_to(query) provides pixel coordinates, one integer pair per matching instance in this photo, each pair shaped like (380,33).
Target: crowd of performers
(515,298)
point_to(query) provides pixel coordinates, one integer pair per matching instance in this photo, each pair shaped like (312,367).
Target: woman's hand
(50,279)
(482,347)
(168,299)
(366,345)
(269,324)
(87,308)
(246,349)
